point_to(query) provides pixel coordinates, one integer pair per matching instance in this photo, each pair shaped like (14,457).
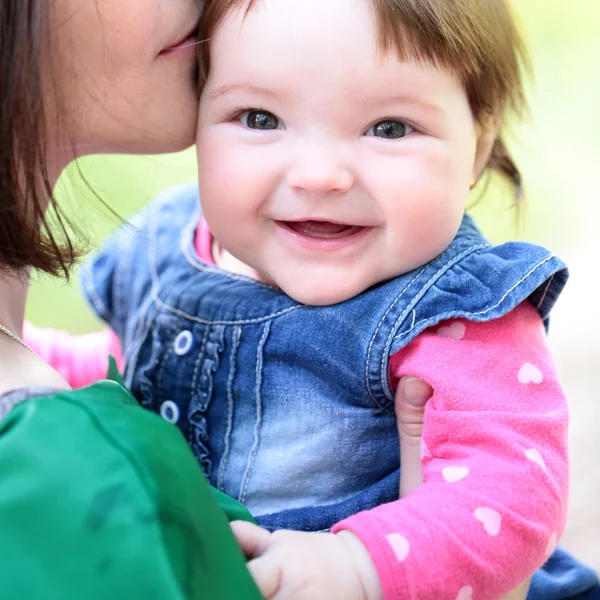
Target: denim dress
(286,405)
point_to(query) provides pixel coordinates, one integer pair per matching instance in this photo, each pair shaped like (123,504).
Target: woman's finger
(412,395)
(253,540)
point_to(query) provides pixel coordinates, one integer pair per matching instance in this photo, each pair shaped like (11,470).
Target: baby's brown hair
(477,39)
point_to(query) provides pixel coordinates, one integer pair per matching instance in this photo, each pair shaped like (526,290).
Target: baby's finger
(253,540)
(267,574)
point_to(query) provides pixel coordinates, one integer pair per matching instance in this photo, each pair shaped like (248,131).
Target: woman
(90,507)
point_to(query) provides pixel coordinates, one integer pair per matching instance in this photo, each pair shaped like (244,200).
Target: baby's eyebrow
(247,87)
(409,98)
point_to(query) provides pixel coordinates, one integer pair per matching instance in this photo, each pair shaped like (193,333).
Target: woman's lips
(185,46)
(323,235)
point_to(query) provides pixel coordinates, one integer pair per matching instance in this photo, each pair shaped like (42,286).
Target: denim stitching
(235,342)
(377,331)
(259,375)
(443,269)
(132,352)
(482,312)
(541,302)
(210,364)
(422,291)
(255,321)
(393,333)
(514,287)
(465,252)
(198,362)
(163,363)
(191,409)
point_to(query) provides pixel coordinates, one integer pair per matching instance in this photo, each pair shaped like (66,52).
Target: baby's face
(326,166)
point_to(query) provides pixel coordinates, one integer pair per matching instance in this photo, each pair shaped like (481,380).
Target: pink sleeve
(493,503)
(80,359)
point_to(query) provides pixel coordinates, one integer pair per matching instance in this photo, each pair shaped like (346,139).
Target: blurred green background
(558,148)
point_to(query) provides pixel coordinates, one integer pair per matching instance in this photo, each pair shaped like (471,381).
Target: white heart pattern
(425,453)
(456,331)
(465,593)
(534,456)
(399,545)
(552,544)
(529,373)
(490,518)
(454,474)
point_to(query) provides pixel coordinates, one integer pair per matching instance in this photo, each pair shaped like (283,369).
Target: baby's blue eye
(261,120)
(390,130)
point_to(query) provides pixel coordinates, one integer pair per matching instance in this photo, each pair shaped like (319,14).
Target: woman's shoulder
(22,369)
(25,377)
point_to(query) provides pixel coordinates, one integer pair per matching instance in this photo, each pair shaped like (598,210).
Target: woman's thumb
(412,395)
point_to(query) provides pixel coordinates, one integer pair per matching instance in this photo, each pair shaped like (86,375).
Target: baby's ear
(487,132)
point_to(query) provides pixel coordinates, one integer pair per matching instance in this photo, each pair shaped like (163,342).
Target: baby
(338,141)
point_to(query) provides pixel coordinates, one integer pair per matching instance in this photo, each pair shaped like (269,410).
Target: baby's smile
(325,236)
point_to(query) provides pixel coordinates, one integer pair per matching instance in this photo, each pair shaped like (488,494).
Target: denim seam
(424,288)
(132,351)
(379,325)
(162,364)
(198,362)
(192,408)
(259,377)
(546,290)
(514,287)
(255,321)
(422,292)
(465,315)
(235,343)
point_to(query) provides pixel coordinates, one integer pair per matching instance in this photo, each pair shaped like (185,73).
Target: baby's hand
(294,565)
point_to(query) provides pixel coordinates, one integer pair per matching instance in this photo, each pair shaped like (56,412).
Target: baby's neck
(226,261)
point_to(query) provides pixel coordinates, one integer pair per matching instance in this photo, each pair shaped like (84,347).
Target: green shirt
(104,500)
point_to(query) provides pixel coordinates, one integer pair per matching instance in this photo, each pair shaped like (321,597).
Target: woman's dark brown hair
(477,39)
(27,238)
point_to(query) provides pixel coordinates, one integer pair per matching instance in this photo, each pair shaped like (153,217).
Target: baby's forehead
(478,42)
(336,27)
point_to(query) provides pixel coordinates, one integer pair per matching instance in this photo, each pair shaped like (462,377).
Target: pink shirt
(493,504)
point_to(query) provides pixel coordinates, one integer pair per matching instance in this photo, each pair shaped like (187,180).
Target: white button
(169,411)
(183,342)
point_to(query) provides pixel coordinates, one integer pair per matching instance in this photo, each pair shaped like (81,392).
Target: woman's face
(124,73)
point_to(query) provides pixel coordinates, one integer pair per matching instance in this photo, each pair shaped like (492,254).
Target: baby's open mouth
(322,229)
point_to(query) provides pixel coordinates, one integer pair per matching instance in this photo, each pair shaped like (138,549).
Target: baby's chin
(321,294)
